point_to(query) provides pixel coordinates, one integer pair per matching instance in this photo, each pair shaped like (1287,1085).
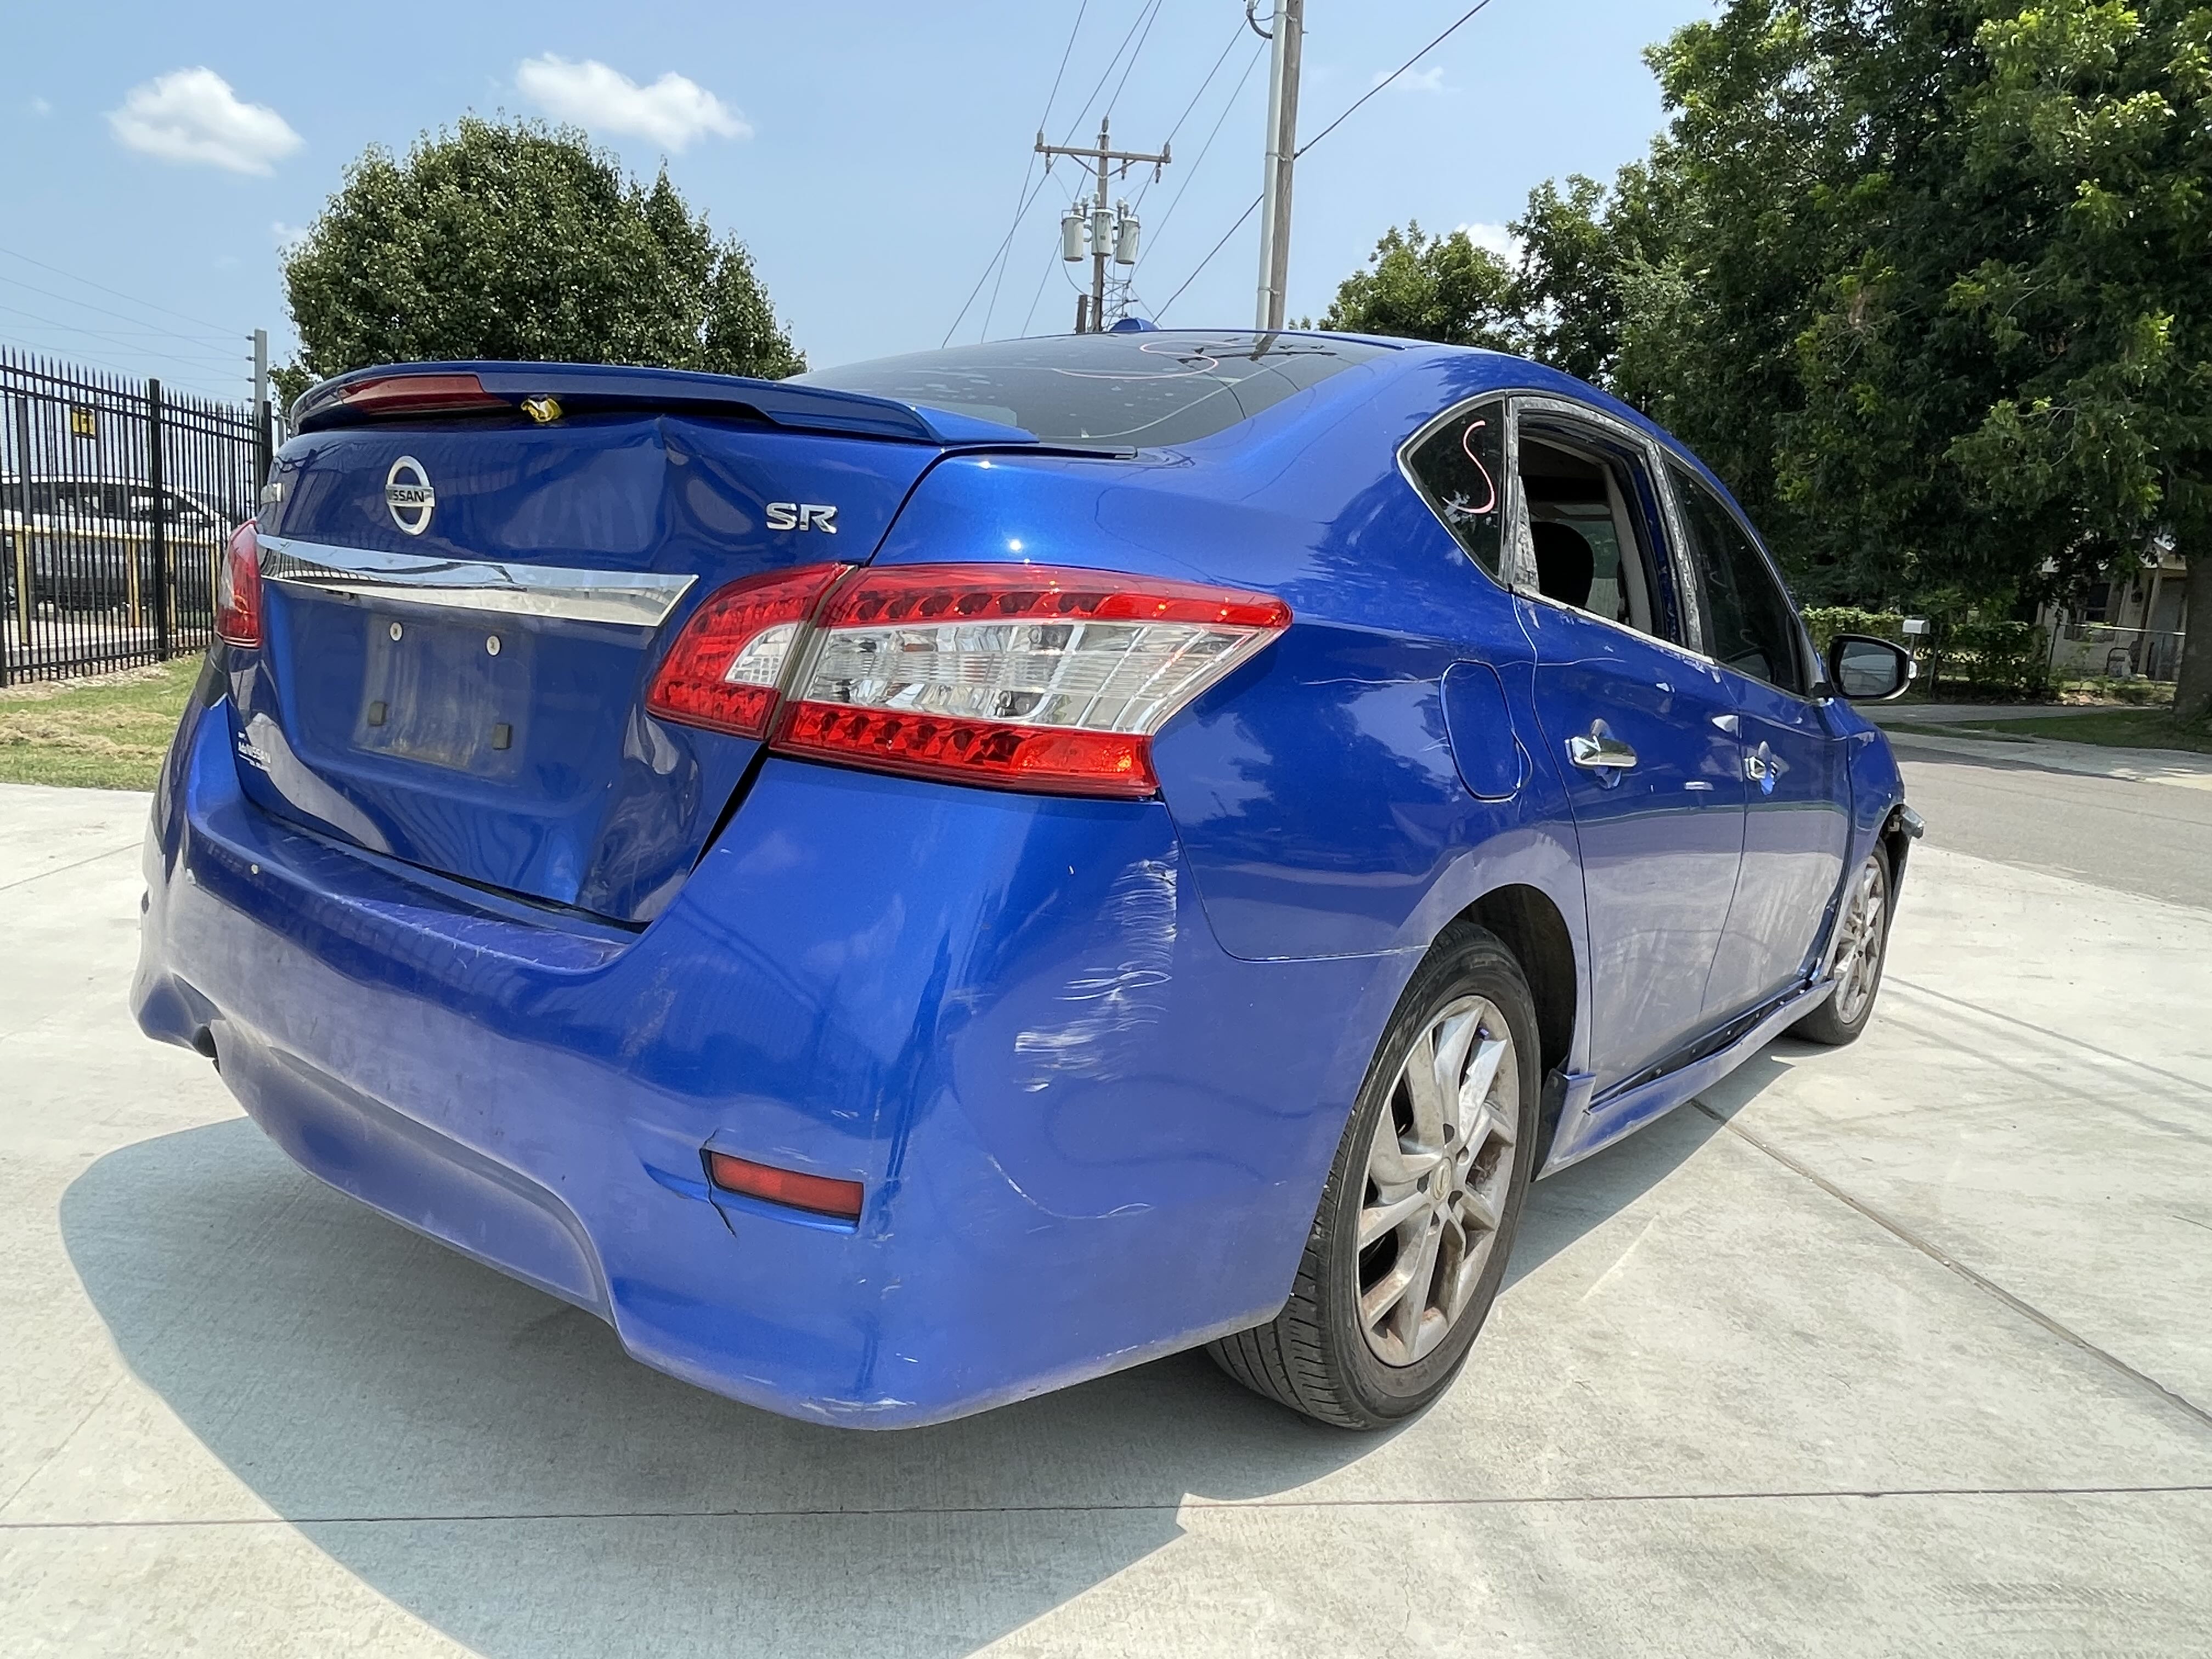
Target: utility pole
(1111,228)
(1289,39)
(263,448)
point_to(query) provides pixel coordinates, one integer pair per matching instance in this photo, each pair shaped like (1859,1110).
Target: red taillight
(725,667)
(923,595)
(973,752)
(238,589)
(818,1194)
(1017,677)
(420,394)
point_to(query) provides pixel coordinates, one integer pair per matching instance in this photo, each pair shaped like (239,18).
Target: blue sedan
(915,886)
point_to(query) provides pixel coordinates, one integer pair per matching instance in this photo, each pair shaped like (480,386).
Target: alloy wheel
(1859,955)
(1439,1166)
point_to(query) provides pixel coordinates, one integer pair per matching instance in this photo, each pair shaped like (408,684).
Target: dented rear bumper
(1087,1135)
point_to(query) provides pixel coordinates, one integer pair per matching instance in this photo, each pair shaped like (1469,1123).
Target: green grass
(2122,728)
(105,733)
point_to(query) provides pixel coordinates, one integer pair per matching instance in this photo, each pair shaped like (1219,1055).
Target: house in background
(2130,628)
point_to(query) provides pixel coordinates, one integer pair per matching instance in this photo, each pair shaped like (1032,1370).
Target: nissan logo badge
(407,492)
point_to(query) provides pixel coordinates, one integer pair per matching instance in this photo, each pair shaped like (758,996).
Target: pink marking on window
(1467,444)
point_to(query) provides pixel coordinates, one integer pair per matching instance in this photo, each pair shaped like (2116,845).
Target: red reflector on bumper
(818,1194)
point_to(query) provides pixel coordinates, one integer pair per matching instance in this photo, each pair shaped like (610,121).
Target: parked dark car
(83,544)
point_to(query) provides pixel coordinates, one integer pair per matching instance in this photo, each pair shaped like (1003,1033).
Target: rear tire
(1860,958)
(1434,1165)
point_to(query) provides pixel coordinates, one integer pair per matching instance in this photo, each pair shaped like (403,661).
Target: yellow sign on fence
(84,421)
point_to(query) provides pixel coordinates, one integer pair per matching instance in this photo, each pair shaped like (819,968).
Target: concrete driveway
(1902,1349)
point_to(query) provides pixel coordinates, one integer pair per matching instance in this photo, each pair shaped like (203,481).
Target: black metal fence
(117,498)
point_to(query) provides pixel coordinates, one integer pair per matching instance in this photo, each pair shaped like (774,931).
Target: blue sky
(872,156)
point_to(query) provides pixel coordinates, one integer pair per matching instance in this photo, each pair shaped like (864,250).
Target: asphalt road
(2153,839)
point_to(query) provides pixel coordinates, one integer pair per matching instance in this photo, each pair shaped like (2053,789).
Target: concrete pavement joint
(1936,1252)
(131,846)
(926,1511)
(2189,1082)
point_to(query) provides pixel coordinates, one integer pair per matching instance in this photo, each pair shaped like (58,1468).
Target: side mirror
(1867,670)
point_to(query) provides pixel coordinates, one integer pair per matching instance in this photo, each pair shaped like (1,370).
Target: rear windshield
(1142,390)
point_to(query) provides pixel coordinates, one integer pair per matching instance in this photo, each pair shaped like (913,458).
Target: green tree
(1928,281)
(514,240)
(2093,127)
(1428,287)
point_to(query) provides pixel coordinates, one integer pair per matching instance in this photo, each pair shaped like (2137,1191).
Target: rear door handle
(1601,751)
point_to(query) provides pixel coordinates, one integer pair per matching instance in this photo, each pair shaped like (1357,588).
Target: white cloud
(39,107)
(193,115)
(285,235)
(1430,79)
(1496,239)
(673,111)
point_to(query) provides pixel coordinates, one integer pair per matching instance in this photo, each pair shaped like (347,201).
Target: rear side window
(1137,390)
(1460,469)
(1749,624)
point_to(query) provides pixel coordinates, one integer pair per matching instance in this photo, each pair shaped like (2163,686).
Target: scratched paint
(1111,1002)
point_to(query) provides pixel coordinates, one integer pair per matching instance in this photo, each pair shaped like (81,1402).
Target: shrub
(1828,621)
(2005,659)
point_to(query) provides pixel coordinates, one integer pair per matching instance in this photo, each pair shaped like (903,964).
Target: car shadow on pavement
(490,1460)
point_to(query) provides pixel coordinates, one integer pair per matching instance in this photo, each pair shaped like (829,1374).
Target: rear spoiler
(366,396)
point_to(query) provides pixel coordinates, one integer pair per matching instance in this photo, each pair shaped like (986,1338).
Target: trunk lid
(462,617)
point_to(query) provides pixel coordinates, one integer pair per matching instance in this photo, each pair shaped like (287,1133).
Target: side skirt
(1587,1125)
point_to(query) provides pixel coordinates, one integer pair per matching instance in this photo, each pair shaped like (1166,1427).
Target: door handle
(1601,751)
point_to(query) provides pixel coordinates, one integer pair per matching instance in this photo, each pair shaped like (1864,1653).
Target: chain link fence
(117,498)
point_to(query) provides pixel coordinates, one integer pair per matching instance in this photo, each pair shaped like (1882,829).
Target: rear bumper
(1088,1135)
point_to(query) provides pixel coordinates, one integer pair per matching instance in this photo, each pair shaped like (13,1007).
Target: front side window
(1460,468)
(1749,624)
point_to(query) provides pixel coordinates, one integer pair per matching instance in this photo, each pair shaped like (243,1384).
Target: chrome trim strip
(625,598)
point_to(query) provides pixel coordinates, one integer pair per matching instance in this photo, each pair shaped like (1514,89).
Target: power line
(1145,186)
(1028,195)
(1143,12)
(87,304)
(1066,53)
(198,361)
(38,352)
(1131,44)
(1258,52)
(1235,35)
(1160,314)
(1480,5)
(1029,315)
(1132,64)
(223,328)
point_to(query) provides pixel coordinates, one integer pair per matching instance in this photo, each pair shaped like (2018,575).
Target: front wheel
(1409,1246)
(1862,948)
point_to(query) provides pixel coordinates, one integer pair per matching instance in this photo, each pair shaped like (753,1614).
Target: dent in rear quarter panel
(1063,1095)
